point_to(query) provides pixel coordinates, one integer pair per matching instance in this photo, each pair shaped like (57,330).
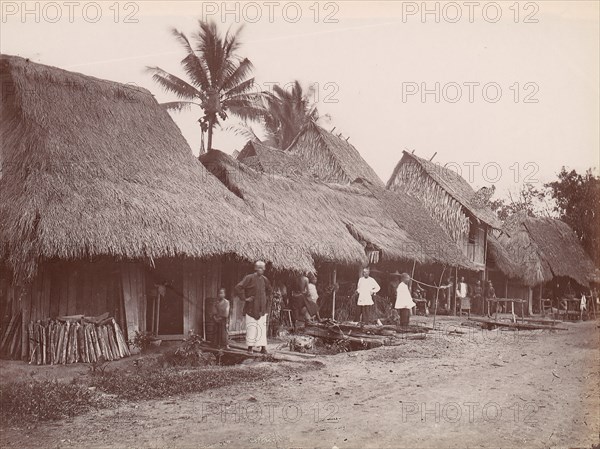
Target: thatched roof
(452,183)
(92,167)
(336,223)
(267,159)
(535,250)
(331,158)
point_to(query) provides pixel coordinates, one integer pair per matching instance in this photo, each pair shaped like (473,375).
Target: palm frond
(237,74)
(173,84)
(179,106)
(192,64)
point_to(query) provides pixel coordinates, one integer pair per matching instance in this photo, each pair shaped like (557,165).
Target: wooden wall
(121,288)
(67,288)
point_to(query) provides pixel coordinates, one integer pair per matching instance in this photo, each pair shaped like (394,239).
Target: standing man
(461,295)
(255,290)
(404,302)
(367,287)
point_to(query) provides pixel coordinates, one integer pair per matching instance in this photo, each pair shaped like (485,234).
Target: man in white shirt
(367,287)
(404,302)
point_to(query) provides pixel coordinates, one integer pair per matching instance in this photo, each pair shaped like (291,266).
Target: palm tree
(219,82)
(286,112)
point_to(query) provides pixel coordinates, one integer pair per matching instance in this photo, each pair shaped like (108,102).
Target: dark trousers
(404,316)
(221,333)
(363,314)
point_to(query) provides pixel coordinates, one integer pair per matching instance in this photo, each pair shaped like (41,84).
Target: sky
(502,92)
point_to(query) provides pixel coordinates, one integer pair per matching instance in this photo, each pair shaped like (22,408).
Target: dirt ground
(460,388)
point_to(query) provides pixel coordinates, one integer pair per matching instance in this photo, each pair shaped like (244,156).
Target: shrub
(154,383)
(41,400)
(189,354)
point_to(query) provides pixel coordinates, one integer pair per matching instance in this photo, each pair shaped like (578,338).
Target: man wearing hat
(404,300)
(255,290)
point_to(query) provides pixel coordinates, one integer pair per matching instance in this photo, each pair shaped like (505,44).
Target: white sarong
(256,331)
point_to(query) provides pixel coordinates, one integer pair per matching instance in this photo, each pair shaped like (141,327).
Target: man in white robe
(404,302)
(366,288)
(255,290)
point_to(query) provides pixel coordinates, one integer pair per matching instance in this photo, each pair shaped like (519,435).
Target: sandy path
(480,389)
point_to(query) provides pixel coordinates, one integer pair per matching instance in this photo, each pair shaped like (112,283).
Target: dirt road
(479,389)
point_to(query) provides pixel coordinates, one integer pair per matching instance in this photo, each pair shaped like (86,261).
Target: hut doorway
(165,299)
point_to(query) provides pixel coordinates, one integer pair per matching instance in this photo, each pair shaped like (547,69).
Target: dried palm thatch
(336,223)
(92,167)
(267,159)
(330,157)
(447,196)
(535,250)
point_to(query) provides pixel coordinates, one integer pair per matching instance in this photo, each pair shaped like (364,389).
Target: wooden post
(454,291)
(204,307)
(334,292)
(437,292)
(530,301)
(412,275)
(130,299)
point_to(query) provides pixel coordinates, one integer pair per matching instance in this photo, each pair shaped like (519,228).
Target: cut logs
(366,335)
(490,324)
(75,339)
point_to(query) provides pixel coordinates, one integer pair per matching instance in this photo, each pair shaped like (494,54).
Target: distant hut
(331,158)
(101,201)
(537,258)
(267,159)
(450,200)
(344,227)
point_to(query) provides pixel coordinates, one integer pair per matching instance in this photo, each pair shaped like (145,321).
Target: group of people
(255,290)
(367,287)
(477,297)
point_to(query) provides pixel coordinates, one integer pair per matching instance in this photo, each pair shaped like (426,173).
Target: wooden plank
(140,272)
(194,297)
(72,291)
(87,297)
(186,268)
(129,301)
(55,292)
(26,318)
(63,300)
(101,286)
(46,287)
(522,326)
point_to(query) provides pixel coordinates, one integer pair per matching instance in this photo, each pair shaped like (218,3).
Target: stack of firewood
(76,339)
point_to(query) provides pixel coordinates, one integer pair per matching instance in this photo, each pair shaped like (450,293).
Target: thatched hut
(537,254)
(331,158)
(344,227)
(450,200)
(101,199)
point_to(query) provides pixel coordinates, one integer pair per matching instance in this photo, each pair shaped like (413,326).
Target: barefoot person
(366,288)
(404,301)
(221,318)
(255,290)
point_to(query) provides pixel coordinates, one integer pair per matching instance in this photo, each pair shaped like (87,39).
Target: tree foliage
(577,199)
(529,198)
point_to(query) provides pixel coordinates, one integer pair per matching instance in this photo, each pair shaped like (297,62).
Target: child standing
(221,317)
